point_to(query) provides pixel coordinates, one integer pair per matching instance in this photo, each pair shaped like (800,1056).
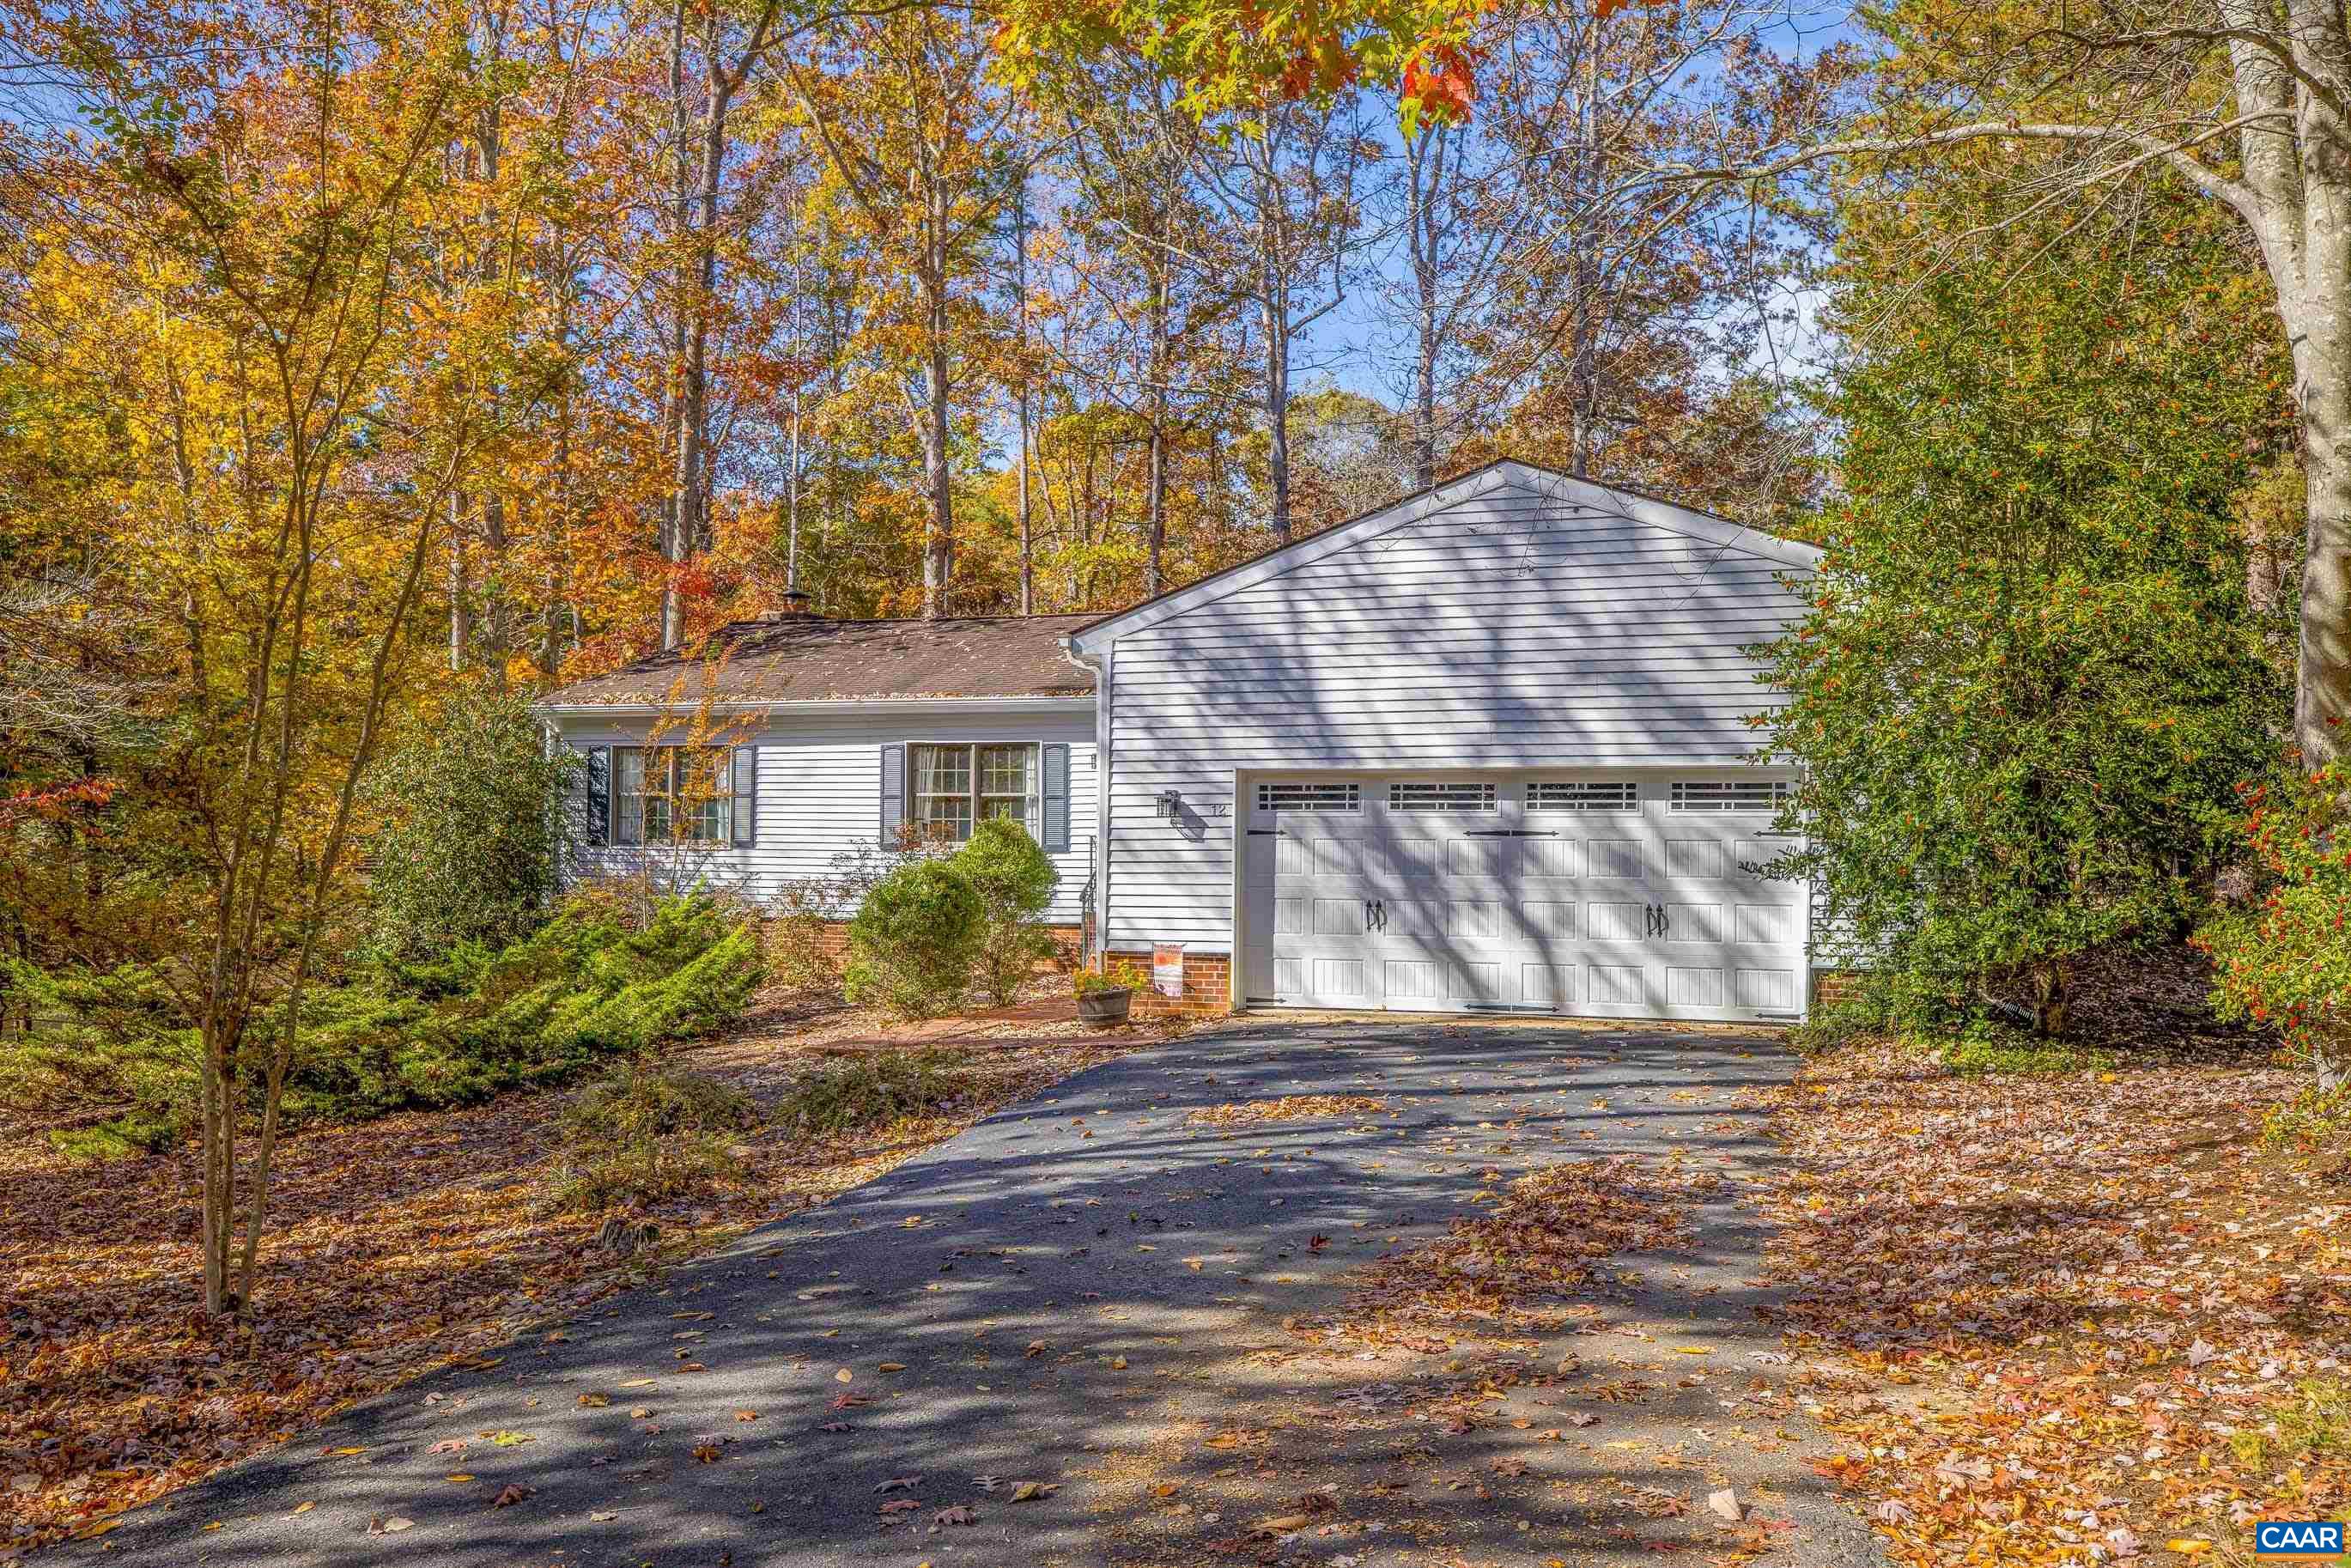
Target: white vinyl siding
(1520,627)
(820,787)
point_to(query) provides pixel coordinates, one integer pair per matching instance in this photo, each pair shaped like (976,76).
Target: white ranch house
(1486,748)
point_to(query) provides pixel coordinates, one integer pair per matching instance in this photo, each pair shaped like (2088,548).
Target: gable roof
(1502,474)
(807,658)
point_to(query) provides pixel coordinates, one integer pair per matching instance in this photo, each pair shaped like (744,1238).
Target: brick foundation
(1207,985)
(1830,987)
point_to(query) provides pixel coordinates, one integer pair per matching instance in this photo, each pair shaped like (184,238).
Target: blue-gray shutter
(1057,797)
(597,780)
(745,788)
(893,794)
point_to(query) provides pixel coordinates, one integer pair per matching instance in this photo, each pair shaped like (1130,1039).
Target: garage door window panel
(1436,795)
(1761,795)
(1607,795)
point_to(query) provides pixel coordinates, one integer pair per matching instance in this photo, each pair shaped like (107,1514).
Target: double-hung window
(680,794)
(954,787)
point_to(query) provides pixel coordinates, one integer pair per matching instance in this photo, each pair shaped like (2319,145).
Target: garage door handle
(1375,915)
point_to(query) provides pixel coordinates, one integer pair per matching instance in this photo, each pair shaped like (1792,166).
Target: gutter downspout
(1100,666)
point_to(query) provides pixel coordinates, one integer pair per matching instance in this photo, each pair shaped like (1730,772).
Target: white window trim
(676,754)
(1033,816)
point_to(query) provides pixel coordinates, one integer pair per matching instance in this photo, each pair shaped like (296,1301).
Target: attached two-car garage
(1490,747)
(1623,893)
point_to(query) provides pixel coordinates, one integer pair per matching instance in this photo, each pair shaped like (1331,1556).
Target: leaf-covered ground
(395,1247)
(2075,1319)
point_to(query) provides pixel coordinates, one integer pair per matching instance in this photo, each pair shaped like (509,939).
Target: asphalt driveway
(1066,1326)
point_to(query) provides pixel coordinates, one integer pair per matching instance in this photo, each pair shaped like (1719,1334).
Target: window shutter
(893,794)
(596,779)
(745,789)
(1056,812)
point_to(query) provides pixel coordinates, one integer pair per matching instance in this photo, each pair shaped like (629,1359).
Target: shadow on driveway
(1087,1292)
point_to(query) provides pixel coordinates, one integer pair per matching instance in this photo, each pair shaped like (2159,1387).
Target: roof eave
(1043,702)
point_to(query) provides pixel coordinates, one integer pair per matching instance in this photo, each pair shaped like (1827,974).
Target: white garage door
(1611,895)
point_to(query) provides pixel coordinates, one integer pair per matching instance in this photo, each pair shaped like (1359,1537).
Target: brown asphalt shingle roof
(808,658)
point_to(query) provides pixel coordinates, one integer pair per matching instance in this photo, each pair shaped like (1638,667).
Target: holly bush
(2031,677)
(2285,960)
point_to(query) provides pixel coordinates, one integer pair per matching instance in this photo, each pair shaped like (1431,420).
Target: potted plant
(1104,995)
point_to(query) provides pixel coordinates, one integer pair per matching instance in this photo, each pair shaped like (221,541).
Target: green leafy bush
(2286,961)
(2030,676)
(804,909)
(2317,1119)
(645,1134)
(1014,881)
(853,1096)
(916,939)
(474,829)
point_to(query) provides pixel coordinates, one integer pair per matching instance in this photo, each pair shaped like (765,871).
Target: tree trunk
(792,503)
(1020,286)
(1425,157)
(690,531)
(1155,500)
(938,529)
(673,522)
(1273,307)
(461,614)
(2052,988)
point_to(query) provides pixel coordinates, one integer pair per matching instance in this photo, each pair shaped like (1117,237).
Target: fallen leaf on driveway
(959,1514)
(510,1494)
(393,1526)
(899,1483)
(594,1401)
(1029,1491)
(459,1477)
(1282,1524)
(707,1453)
(902,1505)
(305,1507)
